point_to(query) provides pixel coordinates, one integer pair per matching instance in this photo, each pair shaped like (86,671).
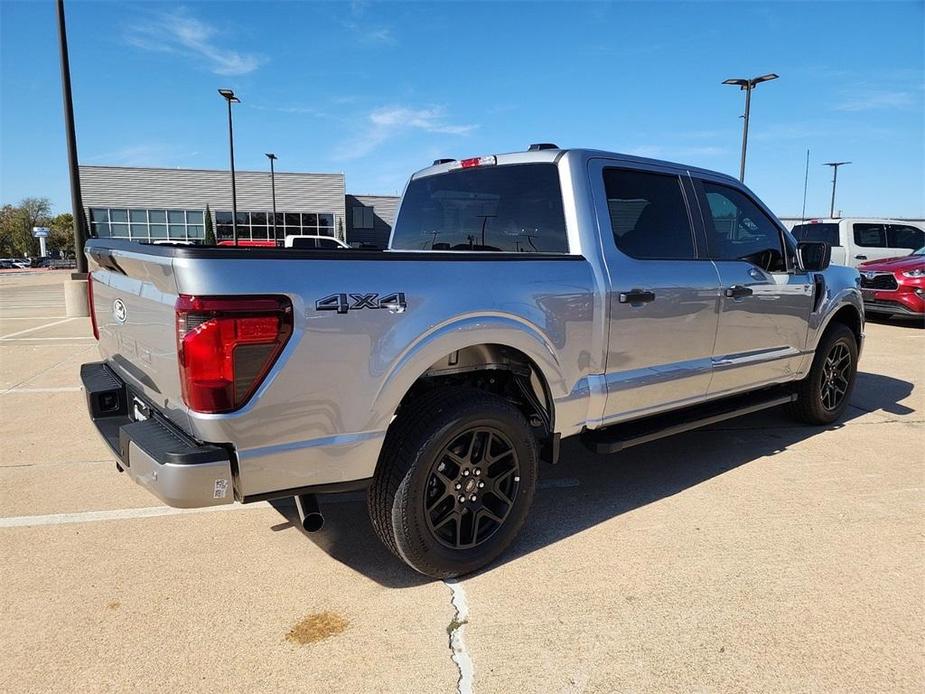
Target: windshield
(817,233)
(921,251)
(514,208)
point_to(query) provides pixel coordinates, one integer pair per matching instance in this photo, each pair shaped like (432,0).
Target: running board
(619,436)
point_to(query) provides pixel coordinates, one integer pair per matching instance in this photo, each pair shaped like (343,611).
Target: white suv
(855,240)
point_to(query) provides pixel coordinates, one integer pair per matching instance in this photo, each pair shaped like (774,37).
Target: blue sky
(378,90)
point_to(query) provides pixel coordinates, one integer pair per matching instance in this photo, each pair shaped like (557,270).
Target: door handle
(737,291)
(860,257)
(636,296)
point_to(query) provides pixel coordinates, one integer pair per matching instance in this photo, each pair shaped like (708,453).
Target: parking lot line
(61,389)
(118,514)
(40,327)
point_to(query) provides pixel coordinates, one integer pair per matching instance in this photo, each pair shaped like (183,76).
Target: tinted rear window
(817,233)
(515,208)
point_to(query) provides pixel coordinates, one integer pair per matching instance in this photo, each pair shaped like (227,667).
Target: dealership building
(149,204)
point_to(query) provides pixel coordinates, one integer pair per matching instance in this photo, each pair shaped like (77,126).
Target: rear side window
(737,229)
(648,215)
(817,233)
(904,236)
(870,235)
(514,209)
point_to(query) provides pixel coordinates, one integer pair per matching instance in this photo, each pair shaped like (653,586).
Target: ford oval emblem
(118,311)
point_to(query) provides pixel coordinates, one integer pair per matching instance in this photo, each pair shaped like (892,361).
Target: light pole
(834,165)
(80,234)
(230,97)
(272,157)
(747,85)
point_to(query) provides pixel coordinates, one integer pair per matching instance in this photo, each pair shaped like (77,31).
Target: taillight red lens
(96,330)
(226,347)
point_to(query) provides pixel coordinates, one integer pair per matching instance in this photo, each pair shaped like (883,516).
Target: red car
(895,286)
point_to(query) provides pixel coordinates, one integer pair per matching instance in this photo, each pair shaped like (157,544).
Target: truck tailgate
(134,295)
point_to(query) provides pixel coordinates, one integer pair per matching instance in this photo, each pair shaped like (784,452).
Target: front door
(765,301)
(662,299)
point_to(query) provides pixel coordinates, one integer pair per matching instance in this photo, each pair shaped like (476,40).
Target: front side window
(737,229)
(870,235)
(648,215)
(904,236)
(513,209)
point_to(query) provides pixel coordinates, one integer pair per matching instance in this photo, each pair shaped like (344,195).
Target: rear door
(765,301)
(662,299)
(134,295)
(878,240)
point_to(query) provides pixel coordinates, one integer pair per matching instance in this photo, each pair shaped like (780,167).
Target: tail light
(227,345)
(92,310)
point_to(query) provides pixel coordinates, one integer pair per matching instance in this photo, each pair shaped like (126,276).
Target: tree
(61,236)
(16,225)
(35,212)
(209,239)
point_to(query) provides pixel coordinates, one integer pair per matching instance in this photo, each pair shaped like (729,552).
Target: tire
(438,442)
(816,402)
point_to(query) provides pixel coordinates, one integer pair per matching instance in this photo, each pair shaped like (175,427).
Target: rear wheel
(822,397)
(455,481)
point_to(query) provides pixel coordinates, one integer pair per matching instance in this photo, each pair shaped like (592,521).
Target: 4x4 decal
(342,303)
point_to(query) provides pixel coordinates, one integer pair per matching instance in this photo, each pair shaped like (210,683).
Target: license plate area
(868,294)
(139,410)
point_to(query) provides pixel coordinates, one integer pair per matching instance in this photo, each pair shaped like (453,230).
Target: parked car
(306,241)
(587,293)
(855,240)
(895,286)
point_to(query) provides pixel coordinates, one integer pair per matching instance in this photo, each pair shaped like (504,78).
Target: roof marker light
(490,160)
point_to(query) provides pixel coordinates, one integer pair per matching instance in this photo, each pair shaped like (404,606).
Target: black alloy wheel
(836,374)
(471,488)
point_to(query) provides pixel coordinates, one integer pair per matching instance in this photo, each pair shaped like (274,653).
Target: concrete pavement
(754,556)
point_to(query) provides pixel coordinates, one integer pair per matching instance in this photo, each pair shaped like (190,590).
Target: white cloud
(391,121)
(181,33)
(870,99)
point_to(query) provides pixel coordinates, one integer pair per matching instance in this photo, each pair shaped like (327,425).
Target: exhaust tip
(313,522)
(309,513)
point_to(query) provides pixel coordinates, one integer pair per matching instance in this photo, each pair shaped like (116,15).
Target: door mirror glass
(814,255)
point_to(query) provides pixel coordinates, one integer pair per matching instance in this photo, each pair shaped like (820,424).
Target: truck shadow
(585,489)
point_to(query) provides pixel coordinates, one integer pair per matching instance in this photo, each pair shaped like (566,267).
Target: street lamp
(272,157)
(747,85)
(229,96)
(77,206)
(834,165)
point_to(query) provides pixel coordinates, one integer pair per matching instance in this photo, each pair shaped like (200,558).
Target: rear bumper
(154,452)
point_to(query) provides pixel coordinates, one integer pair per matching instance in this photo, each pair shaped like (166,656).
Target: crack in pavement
(456,632)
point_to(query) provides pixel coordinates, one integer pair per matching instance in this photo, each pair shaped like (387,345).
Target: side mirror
(815,256)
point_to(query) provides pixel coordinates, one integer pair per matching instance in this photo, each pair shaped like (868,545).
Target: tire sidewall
(845,337)
(414,540)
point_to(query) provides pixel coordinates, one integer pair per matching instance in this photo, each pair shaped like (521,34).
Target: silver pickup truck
(524,298)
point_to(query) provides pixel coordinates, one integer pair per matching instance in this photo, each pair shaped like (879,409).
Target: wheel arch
(496,353)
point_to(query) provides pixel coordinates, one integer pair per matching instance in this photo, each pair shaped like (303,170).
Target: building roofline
(180,168)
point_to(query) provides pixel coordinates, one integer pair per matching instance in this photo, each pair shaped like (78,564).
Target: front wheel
(455,481)
(822,397)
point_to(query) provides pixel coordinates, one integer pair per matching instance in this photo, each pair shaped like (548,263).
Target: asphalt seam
(457,641)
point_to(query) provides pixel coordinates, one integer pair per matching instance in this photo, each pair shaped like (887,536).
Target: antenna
(805,183)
